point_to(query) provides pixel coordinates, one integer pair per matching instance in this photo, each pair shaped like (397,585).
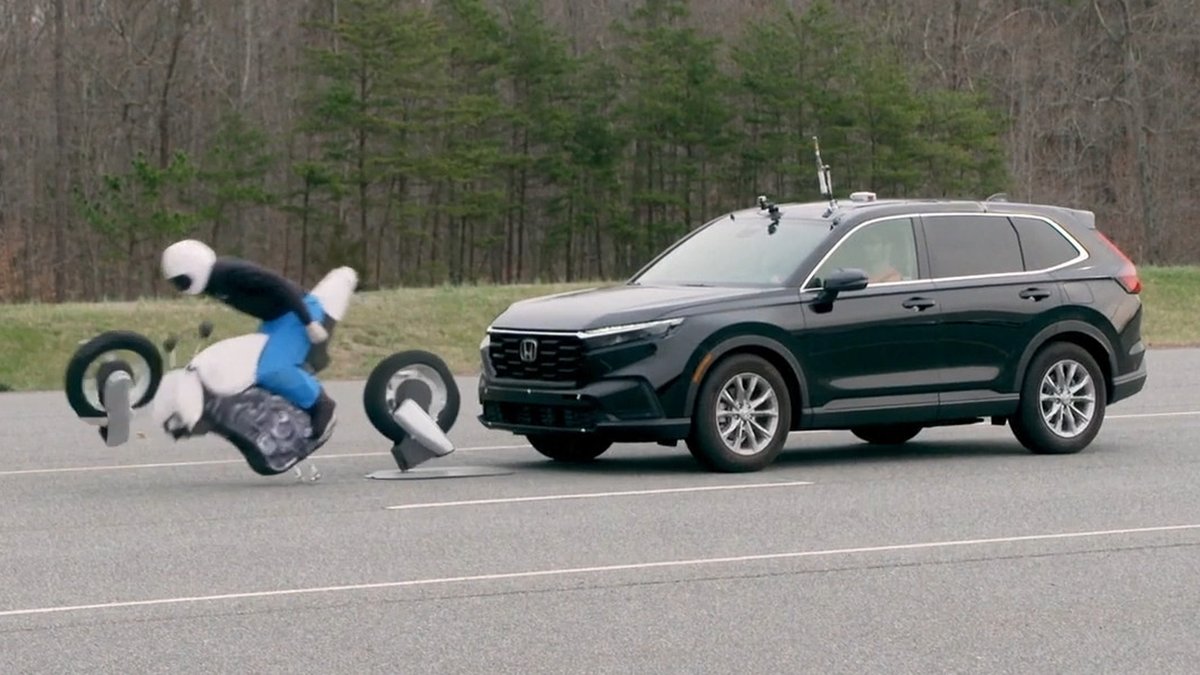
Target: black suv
(877,316)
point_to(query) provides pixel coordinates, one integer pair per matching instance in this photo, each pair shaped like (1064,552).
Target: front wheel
(417,375)
(742,417)
(108,352)
(571,448)
(1062,401)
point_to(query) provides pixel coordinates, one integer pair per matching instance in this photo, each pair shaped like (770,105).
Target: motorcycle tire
(429,384)
(110,341)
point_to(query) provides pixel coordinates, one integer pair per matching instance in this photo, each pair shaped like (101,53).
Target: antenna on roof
(823,178)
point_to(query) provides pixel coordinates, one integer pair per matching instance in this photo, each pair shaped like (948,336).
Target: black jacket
(255,290)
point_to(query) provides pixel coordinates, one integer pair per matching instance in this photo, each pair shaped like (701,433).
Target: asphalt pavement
(960,552)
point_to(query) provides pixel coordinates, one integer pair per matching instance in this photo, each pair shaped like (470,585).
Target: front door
(874,349)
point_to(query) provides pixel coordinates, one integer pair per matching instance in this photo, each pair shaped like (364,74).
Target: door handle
(918,304)
(1035,294)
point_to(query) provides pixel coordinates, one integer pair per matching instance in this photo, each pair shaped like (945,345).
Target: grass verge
(37,340)
(1170,295)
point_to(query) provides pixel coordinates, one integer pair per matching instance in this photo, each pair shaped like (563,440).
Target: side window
(961,246)
(1043,245)
(886,251)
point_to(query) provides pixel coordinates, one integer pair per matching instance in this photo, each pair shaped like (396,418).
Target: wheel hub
(1068,399)
(419,382)
(747,413)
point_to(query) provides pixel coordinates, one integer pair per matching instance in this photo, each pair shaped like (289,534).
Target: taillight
(1127,276)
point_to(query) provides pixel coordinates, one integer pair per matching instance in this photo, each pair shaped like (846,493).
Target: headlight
(614,335)
(485,342)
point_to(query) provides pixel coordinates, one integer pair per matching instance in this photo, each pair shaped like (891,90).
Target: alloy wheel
(747,413)
(1067,398)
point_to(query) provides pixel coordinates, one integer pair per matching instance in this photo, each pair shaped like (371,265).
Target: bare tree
(1132,99)
(1099,99)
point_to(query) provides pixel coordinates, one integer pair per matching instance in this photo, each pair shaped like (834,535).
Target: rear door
(994,295)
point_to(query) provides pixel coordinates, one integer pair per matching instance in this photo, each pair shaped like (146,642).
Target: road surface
(960,552)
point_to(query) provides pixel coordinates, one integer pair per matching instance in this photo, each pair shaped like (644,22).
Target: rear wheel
(415,374)
(887,434)
(570,447)
(1062,401)
(742,417)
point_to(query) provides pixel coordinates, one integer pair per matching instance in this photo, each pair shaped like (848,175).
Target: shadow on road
(798,453)
(857,453)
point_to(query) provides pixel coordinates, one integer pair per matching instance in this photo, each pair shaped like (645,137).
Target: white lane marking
(210,462)
(566,571)
(595,495)
(1130,416)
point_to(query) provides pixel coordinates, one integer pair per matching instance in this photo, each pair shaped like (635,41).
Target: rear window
(968,245)
(1042,244)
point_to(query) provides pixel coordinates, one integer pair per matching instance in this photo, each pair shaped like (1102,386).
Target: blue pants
(281,365)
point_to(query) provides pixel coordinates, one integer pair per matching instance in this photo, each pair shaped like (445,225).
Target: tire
(426,379)
(705,441)
(887,434)
(570,448)
(77,382)
(1035,430)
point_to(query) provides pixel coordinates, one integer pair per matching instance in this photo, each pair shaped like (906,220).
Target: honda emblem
(529,350)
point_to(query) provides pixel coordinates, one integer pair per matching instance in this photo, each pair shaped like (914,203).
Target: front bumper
(623,409)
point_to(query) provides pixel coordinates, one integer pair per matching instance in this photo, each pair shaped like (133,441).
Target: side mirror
(850,279)
(170,343)
(206,329)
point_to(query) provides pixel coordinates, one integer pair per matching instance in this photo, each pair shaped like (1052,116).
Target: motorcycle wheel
(414,374)
(104,354)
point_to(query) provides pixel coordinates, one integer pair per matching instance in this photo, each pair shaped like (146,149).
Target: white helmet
(187,264)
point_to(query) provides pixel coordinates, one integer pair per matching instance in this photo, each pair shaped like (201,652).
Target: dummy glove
(316,333)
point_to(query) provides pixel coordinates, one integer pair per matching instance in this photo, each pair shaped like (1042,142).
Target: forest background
(429,142)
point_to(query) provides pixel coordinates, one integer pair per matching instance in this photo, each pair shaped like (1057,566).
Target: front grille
(555,358)
(552,416)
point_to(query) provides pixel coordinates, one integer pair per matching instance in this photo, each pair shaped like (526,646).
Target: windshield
(738,252)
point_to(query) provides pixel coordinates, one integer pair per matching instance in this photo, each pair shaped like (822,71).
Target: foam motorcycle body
(410,397)
(216,391)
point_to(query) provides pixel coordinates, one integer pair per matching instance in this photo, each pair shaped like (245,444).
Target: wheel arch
(1078,333)
(768,348)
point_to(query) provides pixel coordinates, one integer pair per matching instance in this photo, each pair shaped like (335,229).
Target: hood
(598,307)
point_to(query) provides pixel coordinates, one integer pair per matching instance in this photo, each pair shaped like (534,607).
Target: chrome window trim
(825,258)
(1082,253)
